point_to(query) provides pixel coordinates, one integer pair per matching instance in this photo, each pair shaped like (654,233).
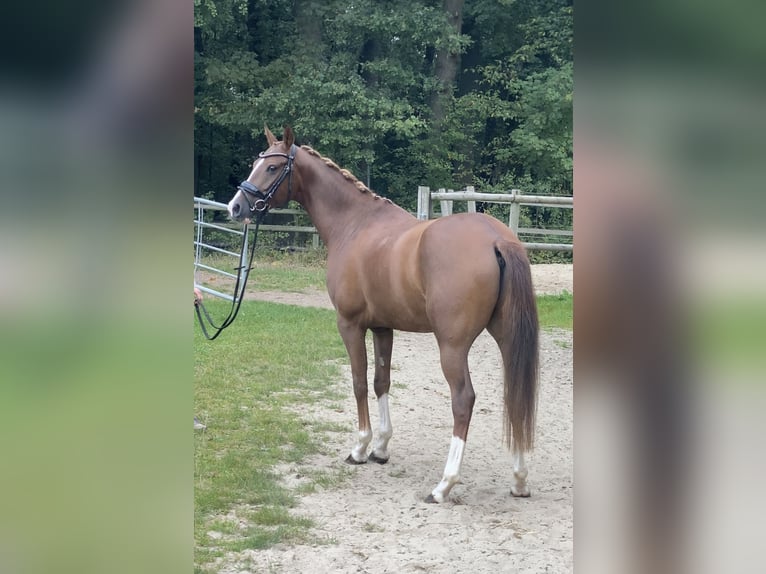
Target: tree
(432,92)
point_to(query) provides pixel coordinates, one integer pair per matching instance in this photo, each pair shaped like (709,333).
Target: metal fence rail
(201,247)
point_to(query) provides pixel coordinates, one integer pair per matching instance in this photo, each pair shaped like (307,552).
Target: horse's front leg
(353,337)
(383,340)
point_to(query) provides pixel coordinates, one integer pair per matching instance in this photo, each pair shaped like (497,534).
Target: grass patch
(286,276)
(322,479)
(295,272)
(555,311)
(249,385)
(326,427)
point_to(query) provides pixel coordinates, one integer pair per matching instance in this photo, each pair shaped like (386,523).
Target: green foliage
(358,81)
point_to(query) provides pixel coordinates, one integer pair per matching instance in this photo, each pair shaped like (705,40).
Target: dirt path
(377,520)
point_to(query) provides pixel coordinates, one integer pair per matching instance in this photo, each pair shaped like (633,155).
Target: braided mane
(344,172)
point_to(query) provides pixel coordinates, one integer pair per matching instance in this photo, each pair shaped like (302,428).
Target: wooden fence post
(471,204)
(424,202)
(513,220)
(446,204)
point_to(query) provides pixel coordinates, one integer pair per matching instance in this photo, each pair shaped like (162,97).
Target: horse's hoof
(523,493)
(431,500)
(352,460)
(377,459)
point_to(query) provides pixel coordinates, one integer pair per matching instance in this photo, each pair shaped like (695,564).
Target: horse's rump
(460,272)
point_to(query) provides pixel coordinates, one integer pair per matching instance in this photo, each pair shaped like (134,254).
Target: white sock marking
(519,483)
(359,452)
(380,448)
(451,470)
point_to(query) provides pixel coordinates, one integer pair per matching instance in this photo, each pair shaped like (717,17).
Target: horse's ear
(288,138)
(269,136)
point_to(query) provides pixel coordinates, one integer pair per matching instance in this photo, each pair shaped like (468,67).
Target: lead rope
(243,272)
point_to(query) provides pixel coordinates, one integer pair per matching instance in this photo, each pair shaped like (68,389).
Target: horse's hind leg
(455,366)
(519,483)
(353,338)
(383,340)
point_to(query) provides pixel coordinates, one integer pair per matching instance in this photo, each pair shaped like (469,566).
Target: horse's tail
(514,326)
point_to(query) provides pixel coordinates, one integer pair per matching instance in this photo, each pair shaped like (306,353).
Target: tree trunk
(370,52)
(447,66)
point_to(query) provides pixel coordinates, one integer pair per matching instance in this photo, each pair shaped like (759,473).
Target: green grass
(295,272)
(322,479)
(555,311)
(248,384)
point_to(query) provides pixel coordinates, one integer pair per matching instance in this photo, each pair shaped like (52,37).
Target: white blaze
(231,203)
(256,166)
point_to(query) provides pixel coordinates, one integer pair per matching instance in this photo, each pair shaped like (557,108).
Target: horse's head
(270,183)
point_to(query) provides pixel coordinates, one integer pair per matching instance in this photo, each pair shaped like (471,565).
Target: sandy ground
(377,522)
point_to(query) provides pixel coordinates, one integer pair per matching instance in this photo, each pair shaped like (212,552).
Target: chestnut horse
(454,277)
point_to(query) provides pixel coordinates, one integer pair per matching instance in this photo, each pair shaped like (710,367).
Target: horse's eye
(271,168)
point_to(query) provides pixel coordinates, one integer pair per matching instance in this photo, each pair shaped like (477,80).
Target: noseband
(261,203)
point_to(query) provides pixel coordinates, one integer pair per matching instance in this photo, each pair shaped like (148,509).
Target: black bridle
(261,203)
(261,207)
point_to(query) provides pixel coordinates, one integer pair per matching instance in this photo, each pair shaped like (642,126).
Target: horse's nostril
(235,209)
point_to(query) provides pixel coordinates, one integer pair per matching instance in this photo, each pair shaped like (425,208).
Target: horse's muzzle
(235,209)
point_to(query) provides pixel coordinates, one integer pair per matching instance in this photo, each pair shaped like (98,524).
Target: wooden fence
(446,198)
(426,200)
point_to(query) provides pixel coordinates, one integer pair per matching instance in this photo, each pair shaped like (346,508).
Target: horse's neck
(337,208)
